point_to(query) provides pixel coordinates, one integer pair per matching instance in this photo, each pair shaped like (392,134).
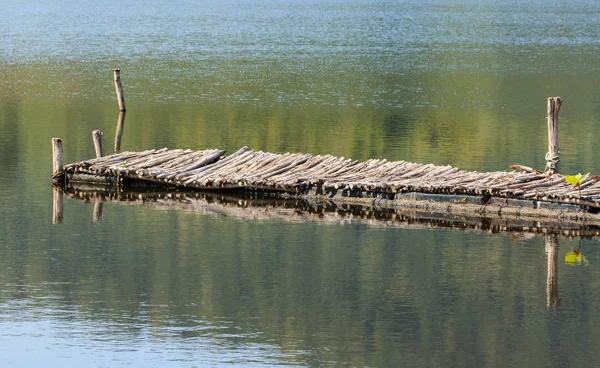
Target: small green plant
(577,180)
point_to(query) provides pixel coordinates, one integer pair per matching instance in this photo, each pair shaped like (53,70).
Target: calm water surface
(450,82)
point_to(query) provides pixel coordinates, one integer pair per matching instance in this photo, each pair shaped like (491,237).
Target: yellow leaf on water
(575,258)
(572,258)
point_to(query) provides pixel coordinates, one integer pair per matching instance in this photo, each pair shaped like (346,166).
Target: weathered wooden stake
(552,276)
(97,136)
(119,133)
(57,155)
(57,206)
(553,154)
(119,89)
(97,215)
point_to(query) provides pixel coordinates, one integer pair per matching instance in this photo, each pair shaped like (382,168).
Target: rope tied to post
(552,161)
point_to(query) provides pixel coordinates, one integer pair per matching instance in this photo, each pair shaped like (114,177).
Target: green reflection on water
(321,293)
(481,122)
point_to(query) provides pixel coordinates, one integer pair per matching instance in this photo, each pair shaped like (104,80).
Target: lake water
(449,82)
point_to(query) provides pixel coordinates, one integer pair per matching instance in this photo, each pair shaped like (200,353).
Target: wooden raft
(302,175)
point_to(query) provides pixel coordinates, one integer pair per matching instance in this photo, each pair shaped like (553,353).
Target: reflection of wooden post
(119,134)
(119,89)
(97,136)
(553,154)
(57,206)
(97,216)
(552,277)
(57,155)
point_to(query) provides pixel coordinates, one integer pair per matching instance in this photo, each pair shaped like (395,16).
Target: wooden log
(321,162)
(333,166)
(553,154)
(260,160)
(205,160)
(524,178)
(57,206)
(160,159)
(524,168)
(119,89)
(97,137)
(346,167)
(90,178)
(398,168)
(279,162)
(186,157)
(294,175)
(57,156)
(283,168)
(119,133)
(299,161)
(237,158)
(144,157)
(117,157)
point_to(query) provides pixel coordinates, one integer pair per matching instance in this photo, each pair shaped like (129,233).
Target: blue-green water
(450,82)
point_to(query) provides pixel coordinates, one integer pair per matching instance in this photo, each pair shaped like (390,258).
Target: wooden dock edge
(466,205)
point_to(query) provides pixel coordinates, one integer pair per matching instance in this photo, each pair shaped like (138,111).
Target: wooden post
(553,154)
(119,89)
(97,136)
(57,206)
(57,155)
(552,276)
(119,133)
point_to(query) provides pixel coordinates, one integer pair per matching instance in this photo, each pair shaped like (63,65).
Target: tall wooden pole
(57,155)
(553,154)
(97,136)
(119,133)
(119,89)
(552,275)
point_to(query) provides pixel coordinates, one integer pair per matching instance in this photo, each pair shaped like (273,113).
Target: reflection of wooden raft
(266,207)
(378,182)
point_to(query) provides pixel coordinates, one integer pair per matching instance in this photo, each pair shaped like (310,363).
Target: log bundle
(299,174)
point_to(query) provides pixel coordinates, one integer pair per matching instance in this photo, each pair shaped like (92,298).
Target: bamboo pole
(119,133)
(57,156)
(553,154)
(57,206)
(97,136)
(552,299)
(119,89)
